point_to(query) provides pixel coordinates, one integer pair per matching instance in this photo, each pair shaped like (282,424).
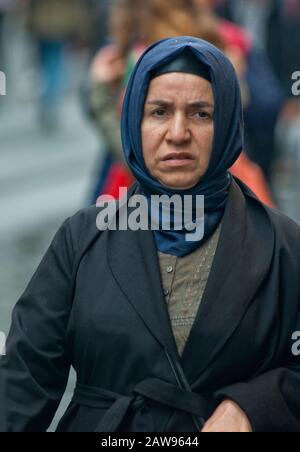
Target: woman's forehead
(180,86)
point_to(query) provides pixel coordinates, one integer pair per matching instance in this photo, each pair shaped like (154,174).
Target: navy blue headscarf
(228,134)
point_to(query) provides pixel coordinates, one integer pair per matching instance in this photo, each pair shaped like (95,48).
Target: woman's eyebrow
(164,103)
(201,104)
(160,103)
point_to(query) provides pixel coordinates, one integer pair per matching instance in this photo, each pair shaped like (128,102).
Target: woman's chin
(181,181)
(179,185)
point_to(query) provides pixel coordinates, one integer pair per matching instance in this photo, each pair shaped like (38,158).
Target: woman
(166,334)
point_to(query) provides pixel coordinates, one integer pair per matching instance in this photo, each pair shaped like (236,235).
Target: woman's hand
(228,418)
(108,65)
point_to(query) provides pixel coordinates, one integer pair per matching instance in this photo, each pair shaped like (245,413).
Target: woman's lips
(178,159)
(180,162)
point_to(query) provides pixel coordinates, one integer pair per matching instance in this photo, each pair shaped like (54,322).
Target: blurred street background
(59,140)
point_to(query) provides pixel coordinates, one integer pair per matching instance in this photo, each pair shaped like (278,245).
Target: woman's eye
(203,115)
(159,113)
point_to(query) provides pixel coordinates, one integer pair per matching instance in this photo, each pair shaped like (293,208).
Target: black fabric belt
(154,389)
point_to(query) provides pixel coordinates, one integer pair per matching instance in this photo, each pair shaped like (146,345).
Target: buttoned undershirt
(184,281)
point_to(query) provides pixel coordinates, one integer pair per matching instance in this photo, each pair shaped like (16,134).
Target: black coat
(96,303)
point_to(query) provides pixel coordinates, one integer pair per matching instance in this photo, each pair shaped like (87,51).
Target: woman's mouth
(178,159)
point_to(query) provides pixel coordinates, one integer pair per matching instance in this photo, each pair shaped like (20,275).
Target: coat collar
(242,260)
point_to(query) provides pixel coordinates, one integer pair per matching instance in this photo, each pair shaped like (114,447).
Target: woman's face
(178,129)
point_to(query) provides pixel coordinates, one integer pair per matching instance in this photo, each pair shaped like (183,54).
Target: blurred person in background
(131,32)
(274,26)
(102,11)
(283,47)
(54,24)
(266,95)
(5,6)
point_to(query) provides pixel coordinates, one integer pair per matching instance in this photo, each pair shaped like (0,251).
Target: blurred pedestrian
(102,12)
(283,47)
(266,94)
(5,6)
(275,28)
(53,24)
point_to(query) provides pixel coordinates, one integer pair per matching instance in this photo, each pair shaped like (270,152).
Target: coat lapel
(242,260)
(134,264)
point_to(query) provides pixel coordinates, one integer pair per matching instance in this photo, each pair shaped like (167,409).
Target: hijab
(191,55)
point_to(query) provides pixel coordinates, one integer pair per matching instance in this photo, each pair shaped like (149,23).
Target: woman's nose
(178,131)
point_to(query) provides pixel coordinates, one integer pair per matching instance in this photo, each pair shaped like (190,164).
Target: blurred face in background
(178,129)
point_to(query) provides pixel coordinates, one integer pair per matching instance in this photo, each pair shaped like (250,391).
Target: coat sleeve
(272,400)
(35,369)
